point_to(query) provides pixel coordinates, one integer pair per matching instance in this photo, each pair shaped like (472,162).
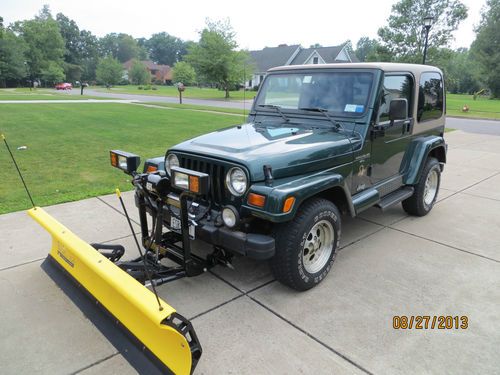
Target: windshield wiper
(324,111)
(277,108)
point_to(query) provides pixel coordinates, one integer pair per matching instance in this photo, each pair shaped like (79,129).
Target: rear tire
(306,246)
(426,190)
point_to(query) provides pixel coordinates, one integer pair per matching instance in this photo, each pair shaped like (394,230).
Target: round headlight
(236,181)
(171,161)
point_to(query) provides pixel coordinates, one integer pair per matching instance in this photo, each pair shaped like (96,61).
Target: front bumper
(253,245)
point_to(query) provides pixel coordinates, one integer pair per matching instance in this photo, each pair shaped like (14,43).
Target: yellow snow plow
(155,324)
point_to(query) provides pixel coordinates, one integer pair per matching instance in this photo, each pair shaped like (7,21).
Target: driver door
(390,139)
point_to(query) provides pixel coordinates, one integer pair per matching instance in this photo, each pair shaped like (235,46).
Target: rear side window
(395,87)
(430,97)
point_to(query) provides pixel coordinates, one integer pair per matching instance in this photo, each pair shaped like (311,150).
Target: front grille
(216,171)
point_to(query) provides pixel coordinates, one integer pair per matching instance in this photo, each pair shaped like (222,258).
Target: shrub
(140,87)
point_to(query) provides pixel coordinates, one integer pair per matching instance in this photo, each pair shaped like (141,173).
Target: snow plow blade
(165,334)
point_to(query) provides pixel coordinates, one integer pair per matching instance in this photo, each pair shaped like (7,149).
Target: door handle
(407,126)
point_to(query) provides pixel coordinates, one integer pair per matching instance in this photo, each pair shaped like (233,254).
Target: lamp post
(428,21)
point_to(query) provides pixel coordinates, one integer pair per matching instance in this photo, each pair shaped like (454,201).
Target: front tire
(306,246)
(426,190)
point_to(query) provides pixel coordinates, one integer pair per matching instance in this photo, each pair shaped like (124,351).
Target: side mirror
(398,109)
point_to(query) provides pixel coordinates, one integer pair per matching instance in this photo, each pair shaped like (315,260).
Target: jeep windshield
(340,93)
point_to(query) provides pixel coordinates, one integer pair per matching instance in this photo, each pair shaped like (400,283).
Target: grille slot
(216,171)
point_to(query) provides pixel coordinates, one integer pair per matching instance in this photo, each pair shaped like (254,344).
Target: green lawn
(67,157)
(482,107)
(41,94)
(191,92)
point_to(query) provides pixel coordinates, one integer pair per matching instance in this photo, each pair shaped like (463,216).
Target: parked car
(64,86)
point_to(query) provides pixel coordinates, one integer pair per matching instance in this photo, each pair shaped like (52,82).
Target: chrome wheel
(431,186)
(318,246)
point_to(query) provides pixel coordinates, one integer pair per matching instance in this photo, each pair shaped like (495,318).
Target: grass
(191,92)
(482,107)
(41,94)
(67,156)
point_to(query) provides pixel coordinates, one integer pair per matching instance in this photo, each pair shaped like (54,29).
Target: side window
(430,97)
(395,87)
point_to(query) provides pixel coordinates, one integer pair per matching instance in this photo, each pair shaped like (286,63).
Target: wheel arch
(419,151)
(439,153)
(332,187)
(339,198)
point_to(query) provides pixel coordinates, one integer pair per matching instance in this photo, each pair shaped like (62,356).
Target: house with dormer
(284,54)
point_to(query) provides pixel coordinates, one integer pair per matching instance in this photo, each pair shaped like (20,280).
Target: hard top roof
(386,67)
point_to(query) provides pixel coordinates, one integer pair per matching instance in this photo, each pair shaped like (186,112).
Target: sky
(257,23)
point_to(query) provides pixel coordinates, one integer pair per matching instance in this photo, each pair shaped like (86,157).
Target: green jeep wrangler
(321,140)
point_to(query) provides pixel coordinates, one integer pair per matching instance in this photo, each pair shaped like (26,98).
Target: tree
(44,43)
(165,49)
(215,58)
(139,74)
(89,52)
(122,47)
(52,73)
(109,71)
(184,73)
(486,47)
(143,49)
(461,72)
(403,37)
(71,36)
(73,64)
(127,48)
(366,48)
(12,67)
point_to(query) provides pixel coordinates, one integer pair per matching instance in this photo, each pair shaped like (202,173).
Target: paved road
(491,127)
(167,99)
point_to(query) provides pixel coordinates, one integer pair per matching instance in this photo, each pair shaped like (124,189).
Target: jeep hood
(289,150)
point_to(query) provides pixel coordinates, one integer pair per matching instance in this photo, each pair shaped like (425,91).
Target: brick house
(159,73)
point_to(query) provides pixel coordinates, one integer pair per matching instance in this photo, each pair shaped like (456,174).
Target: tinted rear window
(430,97)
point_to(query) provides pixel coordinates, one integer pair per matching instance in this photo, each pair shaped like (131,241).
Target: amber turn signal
(256,200)
(194,184)
(288,204)
(151,169)
(114,159)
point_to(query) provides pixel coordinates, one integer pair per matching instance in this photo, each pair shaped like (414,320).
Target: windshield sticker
(307,79)
(275,132)
(357,108)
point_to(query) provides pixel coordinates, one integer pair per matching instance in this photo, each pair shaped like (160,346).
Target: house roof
(328,54)
(270,57)
(149,64)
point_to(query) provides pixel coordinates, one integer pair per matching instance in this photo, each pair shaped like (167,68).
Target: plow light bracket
(125,161)
(185,179)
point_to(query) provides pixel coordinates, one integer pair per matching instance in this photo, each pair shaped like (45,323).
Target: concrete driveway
(446,263)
